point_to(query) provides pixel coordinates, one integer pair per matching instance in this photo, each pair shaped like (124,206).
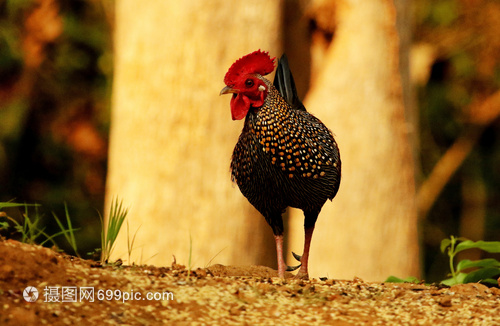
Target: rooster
(284,157)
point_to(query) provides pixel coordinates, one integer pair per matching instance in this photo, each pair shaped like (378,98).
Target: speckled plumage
(285,157)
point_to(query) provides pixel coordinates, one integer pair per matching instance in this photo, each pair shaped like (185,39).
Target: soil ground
(72,291)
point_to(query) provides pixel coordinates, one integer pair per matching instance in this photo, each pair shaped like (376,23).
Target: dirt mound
(76,291)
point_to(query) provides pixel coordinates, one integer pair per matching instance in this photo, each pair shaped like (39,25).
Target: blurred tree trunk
(357,89)
(172,135)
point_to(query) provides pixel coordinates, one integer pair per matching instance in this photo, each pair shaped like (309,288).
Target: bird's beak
(228,90)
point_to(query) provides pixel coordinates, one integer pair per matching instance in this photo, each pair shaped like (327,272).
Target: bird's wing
(283,81)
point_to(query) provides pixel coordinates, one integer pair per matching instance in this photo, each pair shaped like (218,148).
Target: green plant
(211,259)
(4,225)
(410,279)
(483,270)
(130,243)
(69,232)
(30,229)
(109,233)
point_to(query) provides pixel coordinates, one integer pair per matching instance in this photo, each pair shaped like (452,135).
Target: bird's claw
(292,268)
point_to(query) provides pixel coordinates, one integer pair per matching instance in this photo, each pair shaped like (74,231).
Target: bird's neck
(274,113)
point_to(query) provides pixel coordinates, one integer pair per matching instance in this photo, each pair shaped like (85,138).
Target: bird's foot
(302,276)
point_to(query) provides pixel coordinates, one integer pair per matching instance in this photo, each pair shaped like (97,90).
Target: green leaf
(490,281)
(488,246)
(11,204)
(483,263)
(482,274)
(451,281)
(445,243)
(394,279)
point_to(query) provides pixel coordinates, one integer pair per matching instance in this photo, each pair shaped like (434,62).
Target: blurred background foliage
(55,80)
(458,104)
(56,68)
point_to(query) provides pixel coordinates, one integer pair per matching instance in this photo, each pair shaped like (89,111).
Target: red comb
(257,62)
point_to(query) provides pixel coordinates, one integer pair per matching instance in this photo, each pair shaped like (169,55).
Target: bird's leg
(310,218)
(282,267)
(303,272)
(279,252)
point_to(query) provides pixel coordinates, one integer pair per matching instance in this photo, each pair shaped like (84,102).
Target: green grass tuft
(69,231)
(110,231)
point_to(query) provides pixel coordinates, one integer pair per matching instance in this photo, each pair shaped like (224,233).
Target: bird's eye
(248,83)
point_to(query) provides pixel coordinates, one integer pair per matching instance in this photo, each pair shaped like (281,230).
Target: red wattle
(239,106)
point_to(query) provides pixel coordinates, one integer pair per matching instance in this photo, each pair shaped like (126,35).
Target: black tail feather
(283,81)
